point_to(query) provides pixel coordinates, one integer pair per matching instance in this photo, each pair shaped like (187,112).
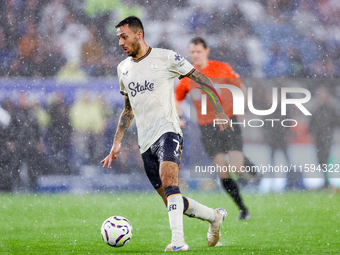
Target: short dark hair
(134,24)
(199,40)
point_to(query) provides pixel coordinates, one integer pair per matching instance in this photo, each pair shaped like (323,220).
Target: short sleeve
(121,84)
(179,66)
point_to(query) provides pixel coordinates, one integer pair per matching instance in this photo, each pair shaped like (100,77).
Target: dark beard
(136,48)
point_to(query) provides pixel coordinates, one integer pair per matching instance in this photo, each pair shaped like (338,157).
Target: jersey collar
(142,57)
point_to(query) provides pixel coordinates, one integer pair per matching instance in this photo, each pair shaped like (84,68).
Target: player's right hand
(224,126)
(113,155)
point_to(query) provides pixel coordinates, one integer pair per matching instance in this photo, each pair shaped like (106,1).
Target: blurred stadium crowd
(73,41)
(57,138)
(265,38)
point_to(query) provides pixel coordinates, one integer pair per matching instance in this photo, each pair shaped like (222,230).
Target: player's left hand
(224,126)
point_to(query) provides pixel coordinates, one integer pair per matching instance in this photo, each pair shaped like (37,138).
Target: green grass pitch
(288,223)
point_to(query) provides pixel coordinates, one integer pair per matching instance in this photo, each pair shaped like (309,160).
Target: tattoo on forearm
(125,120)
(203,80)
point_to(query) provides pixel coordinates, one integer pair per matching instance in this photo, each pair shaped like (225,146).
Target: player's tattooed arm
(125,120)
(206,84)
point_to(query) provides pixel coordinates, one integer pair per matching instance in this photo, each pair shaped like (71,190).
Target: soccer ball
(116,231)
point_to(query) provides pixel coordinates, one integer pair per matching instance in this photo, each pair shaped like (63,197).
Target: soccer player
(216,143)
(146,80)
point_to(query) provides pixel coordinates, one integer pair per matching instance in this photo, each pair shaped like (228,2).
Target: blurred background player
(25,146)
(217,143)
(322,124)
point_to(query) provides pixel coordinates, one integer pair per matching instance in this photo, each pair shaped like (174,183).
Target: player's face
(128,40)
(198,55)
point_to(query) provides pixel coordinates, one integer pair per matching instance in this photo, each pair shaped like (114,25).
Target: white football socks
(200,211)
(176,207)
(175,212)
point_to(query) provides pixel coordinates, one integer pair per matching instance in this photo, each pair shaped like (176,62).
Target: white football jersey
(149,83)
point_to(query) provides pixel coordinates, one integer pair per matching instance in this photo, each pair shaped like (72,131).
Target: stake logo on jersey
(137,87)
(149,85)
